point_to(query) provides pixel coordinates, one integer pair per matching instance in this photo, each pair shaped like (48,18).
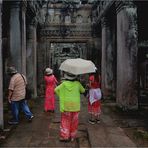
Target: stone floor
(43,131)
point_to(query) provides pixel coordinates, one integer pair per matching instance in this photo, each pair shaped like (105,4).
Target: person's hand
(87,86)
(9,100)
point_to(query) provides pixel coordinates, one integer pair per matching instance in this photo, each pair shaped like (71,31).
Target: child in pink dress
(50,84)
(94,104)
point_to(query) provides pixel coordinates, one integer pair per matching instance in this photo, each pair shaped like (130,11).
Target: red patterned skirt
(95,108)
(69,125)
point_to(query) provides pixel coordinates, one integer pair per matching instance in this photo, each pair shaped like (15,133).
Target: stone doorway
(143,68)
(62,51)
(142,53)
(143,75)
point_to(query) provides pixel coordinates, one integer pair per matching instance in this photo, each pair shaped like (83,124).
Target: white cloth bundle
(94,95)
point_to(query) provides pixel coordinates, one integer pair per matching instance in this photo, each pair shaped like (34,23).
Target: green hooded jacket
(69,94)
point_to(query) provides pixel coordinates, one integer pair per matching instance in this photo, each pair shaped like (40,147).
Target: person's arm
(82,89)
(56,81)
(25,80)
(57,89)
(10,89)
(10,92)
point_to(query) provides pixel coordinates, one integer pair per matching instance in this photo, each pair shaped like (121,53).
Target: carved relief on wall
(51,15)
(57,18)
(67,19)
(63,51)
(79,19)
(66,31)
(89,19)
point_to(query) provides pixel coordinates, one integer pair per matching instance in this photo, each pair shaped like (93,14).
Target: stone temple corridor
(112,34)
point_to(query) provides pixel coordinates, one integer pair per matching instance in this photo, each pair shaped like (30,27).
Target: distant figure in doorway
(94,96)
(69,94)
(50,84)
(16,96)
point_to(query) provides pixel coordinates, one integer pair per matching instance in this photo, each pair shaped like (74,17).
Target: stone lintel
(104,11)
(67,40)
(123,4)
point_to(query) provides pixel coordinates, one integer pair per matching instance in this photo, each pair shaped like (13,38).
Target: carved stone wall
(67,33)
(125,43)
(62,22)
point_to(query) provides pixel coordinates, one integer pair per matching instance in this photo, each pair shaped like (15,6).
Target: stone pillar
(23,37)
(15,36)
(18,35)
(107,66)
(89,49)
(127,97)
(1,72)
(32,58)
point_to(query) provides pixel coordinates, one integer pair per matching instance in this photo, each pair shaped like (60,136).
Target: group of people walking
(69,91)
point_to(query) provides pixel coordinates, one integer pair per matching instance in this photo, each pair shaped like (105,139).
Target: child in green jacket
(69,92)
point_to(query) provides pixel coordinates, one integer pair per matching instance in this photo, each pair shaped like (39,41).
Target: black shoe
(50,111)
(98,121)
(91,121)
(64,140)
(13,122)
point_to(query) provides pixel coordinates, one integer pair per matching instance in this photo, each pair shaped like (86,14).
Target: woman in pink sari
(50,84)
